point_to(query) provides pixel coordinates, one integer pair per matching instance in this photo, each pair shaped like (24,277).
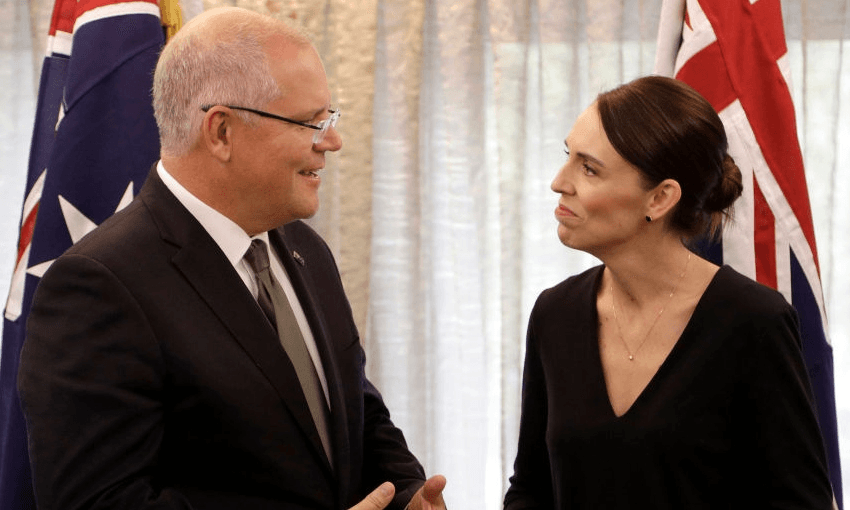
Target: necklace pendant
(631,358)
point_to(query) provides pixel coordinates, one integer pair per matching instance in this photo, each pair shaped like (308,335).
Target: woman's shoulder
(581,286)
(566,310)
(734,290)
(738,308)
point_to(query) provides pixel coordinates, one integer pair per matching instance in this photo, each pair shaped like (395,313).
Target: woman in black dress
(659,380)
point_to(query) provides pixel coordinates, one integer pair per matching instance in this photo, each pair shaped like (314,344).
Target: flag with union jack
(94,141)
(734,53)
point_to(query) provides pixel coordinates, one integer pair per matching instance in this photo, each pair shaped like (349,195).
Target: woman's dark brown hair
(667,130)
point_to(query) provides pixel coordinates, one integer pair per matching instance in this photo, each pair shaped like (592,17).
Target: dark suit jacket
(151,379)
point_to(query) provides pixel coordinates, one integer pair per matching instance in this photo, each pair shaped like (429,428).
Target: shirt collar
(229,236)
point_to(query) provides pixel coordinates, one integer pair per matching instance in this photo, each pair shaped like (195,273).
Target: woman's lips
(564,211)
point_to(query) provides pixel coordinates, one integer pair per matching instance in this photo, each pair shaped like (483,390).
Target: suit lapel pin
(298,258)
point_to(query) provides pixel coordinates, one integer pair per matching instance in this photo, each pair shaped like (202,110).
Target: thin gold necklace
(654,322)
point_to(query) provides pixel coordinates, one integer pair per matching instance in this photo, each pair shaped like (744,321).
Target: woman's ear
(663,199)
(217,133)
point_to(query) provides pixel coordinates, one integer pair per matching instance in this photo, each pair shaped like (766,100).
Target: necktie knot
(257,256)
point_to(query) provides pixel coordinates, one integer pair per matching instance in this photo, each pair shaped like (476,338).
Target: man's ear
(217,133)
(663,198)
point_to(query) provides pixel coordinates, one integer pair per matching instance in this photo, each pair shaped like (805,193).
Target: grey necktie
(272,299)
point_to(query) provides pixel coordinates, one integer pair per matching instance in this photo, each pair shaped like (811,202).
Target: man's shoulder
(301,237)
(300,232)
(124,236)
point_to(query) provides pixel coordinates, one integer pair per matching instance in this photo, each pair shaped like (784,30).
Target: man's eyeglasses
(321,128)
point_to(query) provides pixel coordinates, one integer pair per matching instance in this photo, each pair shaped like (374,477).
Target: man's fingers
(378,499)
(433,488)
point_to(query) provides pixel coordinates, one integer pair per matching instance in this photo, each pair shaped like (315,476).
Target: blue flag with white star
(94,141)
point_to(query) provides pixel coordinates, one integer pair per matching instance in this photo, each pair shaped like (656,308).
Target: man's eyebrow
(318,111)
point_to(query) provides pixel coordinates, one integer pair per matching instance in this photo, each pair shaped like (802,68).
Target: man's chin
(307,212)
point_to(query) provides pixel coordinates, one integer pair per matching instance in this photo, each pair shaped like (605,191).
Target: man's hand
(378,499)
(430,495)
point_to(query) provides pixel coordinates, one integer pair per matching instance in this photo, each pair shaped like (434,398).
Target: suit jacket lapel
(298,273)
(211,274)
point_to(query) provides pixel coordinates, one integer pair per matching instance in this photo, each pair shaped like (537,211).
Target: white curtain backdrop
(438,207)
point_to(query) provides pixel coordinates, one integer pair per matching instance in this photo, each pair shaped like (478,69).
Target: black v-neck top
(726,422)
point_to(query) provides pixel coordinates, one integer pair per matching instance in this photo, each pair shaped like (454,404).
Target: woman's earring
(648,218)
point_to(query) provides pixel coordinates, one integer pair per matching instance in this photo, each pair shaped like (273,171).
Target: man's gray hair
(197,69)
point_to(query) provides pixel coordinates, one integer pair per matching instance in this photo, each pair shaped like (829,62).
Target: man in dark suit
(159,369)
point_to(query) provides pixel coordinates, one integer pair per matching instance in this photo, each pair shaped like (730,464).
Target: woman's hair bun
(728,187)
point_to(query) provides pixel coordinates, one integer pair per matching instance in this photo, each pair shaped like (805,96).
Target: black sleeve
(782,441)
(531,483)
(386,455)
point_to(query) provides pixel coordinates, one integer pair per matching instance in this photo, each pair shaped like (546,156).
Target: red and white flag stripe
(751,92)
(734,53)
